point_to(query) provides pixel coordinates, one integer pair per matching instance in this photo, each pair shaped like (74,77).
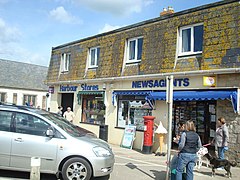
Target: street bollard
(35,168)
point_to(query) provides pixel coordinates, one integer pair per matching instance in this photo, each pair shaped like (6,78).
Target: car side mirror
(49,133)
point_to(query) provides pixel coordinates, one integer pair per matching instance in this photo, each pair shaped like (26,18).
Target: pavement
(134,165)
(149,166)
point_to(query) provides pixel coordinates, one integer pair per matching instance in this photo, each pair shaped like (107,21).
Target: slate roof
(22,75)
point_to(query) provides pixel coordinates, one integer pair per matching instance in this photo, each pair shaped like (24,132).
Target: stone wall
(225,110)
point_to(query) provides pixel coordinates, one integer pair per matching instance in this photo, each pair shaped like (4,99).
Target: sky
(30,28)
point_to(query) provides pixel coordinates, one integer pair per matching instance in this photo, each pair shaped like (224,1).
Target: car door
(29,141)
(5,138)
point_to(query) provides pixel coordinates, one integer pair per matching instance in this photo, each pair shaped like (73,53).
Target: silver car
(64,149)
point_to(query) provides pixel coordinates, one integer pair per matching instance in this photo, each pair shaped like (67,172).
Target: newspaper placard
(128,136)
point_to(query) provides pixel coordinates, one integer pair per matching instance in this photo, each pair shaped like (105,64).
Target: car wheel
(76,169)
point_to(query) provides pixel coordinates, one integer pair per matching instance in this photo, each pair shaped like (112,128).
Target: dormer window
(65,62)
(190,40)
(134,50)
(94,55)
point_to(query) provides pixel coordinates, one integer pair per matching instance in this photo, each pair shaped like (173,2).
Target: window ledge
(90,123)
(64,72)
(190,55)
(93,67)
(133,62)
(124,129)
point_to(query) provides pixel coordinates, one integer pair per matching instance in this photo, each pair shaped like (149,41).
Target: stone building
(23,83)
(111,79)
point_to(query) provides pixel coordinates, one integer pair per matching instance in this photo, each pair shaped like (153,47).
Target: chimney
(167,11)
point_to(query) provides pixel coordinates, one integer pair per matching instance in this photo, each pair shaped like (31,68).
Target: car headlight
(101,152)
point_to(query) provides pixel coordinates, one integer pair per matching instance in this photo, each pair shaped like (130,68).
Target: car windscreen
(68,127)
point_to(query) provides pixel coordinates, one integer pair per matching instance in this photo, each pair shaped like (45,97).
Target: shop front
(193,100)
(200,106)
(92,104)
(107,108)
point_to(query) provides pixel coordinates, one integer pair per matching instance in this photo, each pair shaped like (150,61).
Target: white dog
(202,151)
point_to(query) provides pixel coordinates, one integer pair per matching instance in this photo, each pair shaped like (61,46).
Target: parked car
(65,149)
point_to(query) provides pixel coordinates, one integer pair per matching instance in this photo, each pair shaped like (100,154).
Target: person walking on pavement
(60,111)
(69,115)
(221,138)
(189,144)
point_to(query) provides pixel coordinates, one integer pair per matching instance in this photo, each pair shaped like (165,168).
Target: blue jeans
(221,151)
(185,160)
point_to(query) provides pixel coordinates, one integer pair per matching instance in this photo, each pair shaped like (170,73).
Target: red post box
(148,134)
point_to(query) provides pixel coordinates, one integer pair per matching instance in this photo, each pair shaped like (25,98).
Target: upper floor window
(134,49)
(65,62)
(94,55)
(190,40)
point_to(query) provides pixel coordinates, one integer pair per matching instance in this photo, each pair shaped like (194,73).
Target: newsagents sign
(181,82)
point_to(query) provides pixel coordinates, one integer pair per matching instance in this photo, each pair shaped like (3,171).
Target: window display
(93,109)
(132,112)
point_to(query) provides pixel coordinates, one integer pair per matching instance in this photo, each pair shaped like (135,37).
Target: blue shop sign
(68,88)
(86,87)
(182,82)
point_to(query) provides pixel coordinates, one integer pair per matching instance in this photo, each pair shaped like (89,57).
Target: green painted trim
(90,92)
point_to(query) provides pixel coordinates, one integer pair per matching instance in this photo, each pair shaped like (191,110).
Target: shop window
(93,109)
(3,97)
(134,50)
(190,40)
(29,100)
(65,62)
(132,112)
(94,55)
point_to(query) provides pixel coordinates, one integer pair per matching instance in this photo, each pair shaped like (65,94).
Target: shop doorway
(202,113)
(67,101)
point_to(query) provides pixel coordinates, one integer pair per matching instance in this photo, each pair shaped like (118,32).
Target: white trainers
(220,168)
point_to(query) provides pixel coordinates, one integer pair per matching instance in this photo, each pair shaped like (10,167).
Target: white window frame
(191,52)
(135,60)
(96,59)
(65,62)
(28,98)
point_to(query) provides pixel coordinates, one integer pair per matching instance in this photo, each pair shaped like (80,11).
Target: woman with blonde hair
(190,143)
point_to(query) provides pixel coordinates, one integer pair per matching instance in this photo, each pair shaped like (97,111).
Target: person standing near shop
(189,144)
(221,138)
(60,111)
(180,130)
(69,115)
